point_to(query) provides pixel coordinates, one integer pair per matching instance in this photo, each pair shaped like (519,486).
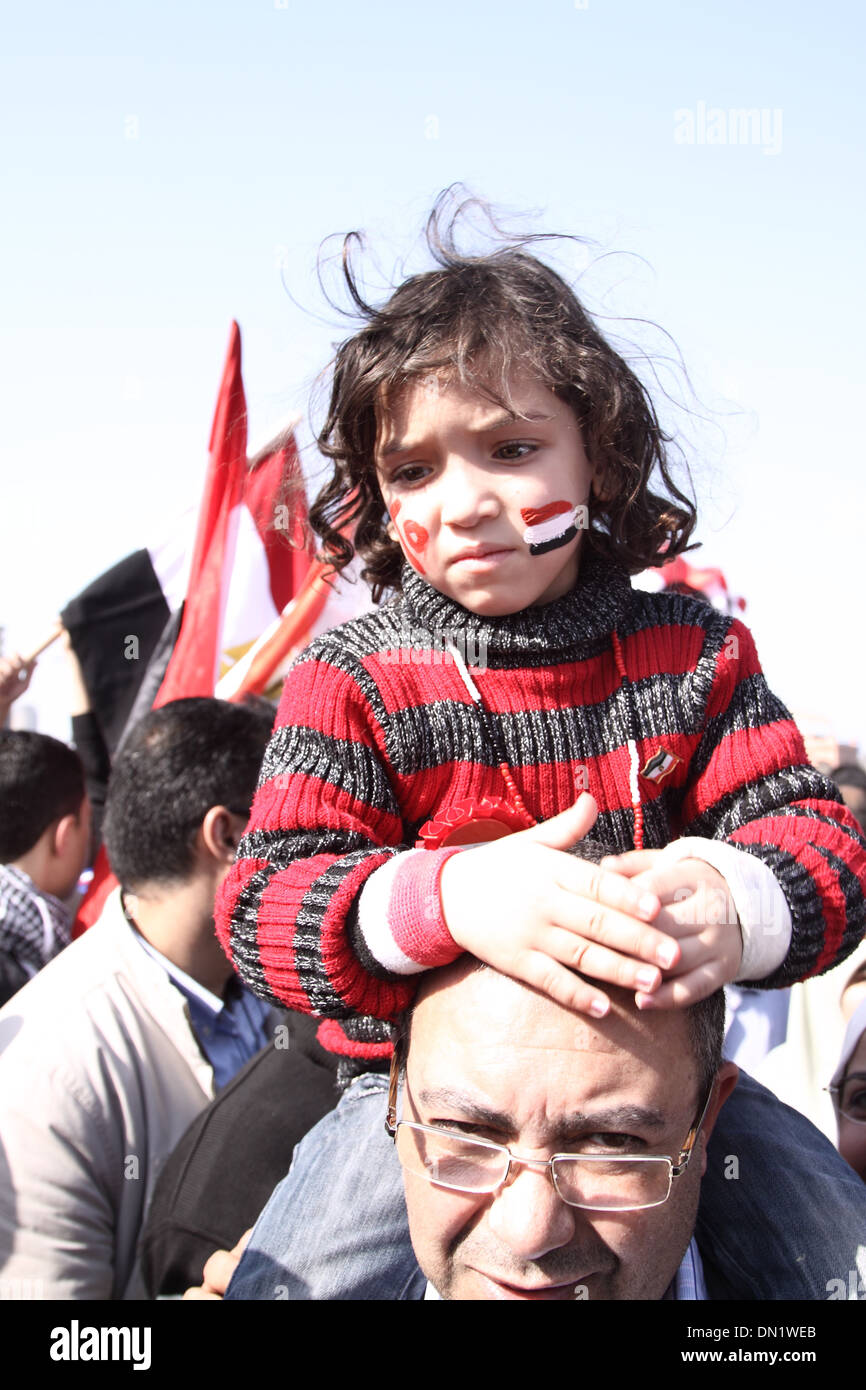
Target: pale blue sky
(166,166)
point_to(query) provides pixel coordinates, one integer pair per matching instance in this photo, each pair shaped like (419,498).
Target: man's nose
(469,494)
(529,1216)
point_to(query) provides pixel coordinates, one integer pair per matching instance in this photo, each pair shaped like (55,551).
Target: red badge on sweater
(474,821)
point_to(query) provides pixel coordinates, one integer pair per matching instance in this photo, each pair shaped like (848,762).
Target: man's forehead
(483,1023)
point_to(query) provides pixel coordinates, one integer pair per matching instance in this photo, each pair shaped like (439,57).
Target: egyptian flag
(660,765)
(193,667)
(116,625)
(549,527)
(324,600)
(272,560)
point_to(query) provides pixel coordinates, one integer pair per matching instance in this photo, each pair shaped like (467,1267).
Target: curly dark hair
(479,319)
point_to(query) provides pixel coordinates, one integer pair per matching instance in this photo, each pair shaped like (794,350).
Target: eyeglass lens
(852,1098)
(464,1164)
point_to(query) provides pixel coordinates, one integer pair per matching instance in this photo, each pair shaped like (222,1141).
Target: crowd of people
(416,987)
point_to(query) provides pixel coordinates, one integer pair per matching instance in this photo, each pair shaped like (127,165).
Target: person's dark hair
(478,319)
(849,775)
(176,764)
(706,1019)
(41,780)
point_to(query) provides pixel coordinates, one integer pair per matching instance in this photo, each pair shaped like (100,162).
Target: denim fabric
(336,1227)
(781,1215)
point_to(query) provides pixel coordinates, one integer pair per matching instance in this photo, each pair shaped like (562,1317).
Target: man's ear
(726,1080)
(65,830)
(220,834)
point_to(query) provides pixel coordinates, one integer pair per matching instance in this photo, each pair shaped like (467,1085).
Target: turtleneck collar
(586,615)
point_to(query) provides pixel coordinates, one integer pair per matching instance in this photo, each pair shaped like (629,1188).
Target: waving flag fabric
(192,669)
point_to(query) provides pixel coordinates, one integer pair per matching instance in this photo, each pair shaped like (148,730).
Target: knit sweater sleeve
(325,817)
(752,786)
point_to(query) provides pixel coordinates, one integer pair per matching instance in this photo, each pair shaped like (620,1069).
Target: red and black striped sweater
(376,735)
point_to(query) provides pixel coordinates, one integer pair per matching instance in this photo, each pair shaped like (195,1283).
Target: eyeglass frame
(835,1092)
(392,1124)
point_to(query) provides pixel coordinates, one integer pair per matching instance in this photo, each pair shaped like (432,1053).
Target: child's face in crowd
(489,508)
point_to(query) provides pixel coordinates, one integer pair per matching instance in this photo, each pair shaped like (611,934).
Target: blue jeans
(336,1227)
(781,1214)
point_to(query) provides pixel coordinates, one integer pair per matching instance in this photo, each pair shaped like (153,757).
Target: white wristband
(762,908)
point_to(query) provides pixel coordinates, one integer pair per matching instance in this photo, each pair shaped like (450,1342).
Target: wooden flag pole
(45,643)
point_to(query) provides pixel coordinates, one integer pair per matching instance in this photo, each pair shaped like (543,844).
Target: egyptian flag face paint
(660,765)
(547,528)
(413,537)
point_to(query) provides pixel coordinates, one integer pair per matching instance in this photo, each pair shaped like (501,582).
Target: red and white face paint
(549,527)
(411,535)
(480,498)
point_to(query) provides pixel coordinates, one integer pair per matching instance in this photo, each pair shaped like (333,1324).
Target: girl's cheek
(549,526)
(416,535)
(412,535)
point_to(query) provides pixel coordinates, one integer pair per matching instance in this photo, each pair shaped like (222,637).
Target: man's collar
(184,982)
(689,1284)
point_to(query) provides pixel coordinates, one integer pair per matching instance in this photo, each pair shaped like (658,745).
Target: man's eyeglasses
(849,1097)
(595,1182)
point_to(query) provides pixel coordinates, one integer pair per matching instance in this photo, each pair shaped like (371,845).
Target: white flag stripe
(549,530)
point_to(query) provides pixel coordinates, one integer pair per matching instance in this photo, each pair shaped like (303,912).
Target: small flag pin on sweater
(660,765)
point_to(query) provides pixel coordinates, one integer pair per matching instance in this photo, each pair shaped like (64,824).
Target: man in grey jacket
(110,1052)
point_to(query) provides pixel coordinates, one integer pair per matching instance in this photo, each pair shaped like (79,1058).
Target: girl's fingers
(685,989)
(557,982)
(697,913)
(681,921)
(632,863)
(599,962)
(700,896)
(592,883)
(694,952)
(615,930)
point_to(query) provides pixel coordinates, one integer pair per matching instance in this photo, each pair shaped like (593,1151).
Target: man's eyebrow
(617,1117)
(444,1098)
(499,422)
(612,1119)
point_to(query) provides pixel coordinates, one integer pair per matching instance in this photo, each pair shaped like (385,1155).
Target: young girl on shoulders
(504,474)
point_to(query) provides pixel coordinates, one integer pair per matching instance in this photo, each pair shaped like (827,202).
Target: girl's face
(489,507)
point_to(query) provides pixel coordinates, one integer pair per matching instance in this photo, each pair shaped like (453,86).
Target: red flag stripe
(275,480)
(192,668)
(533,516)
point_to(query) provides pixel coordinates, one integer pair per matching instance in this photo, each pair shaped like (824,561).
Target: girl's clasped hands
(667,931)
